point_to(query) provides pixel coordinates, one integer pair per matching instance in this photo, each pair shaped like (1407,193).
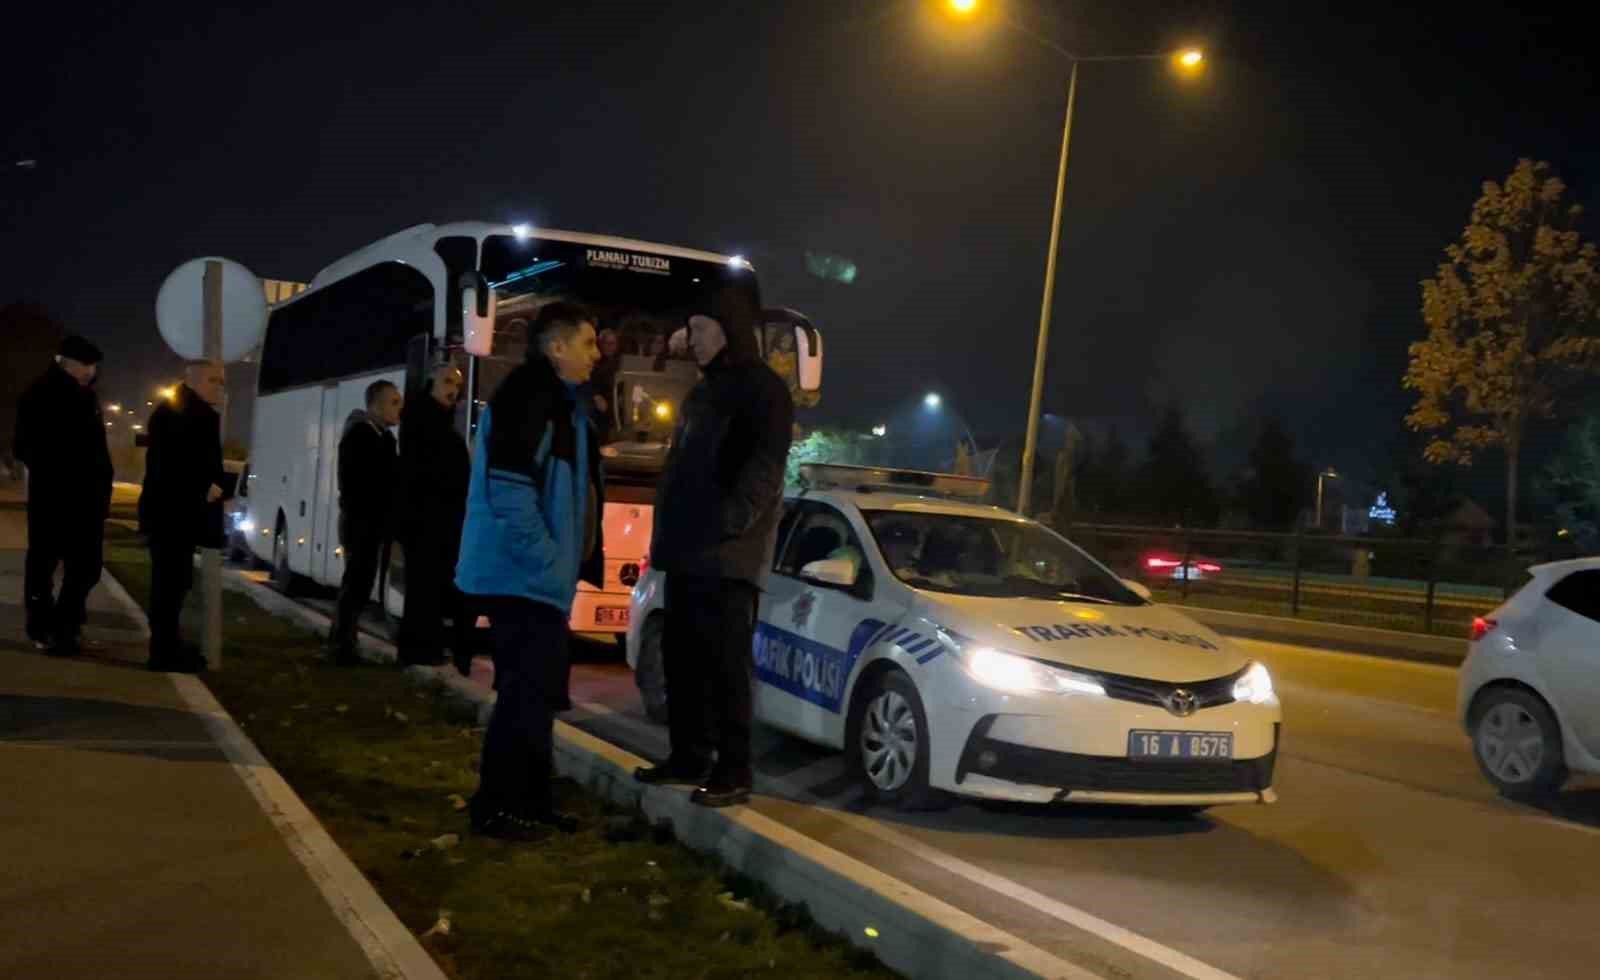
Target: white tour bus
(467,291)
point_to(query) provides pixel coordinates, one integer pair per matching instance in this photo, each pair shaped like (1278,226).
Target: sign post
(210,557)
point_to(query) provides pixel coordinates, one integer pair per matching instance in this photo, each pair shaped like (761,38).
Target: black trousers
(74,540)
(363,556)
(171,578)
(707,655)
(531,661)
(431,597)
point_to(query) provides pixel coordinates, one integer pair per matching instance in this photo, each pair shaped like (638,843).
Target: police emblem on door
(802,609)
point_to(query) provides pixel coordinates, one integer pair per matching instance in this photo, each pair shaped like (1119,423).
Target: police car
(952,647)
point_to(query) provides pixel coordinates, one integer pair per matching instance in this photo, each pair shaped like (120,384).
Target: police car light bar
(837,476)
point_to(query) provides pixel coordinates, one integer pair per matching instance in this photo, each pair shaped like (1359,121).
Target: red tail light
(1161,563)
(644,566)
(1482,627)
(1209,567)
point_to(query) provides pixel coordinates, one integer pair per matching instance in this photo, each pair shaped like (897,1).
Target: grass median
(386,767)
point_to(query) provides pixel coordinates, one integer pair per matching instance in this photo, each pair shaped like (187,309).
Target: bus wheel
(282,576)
(650,673)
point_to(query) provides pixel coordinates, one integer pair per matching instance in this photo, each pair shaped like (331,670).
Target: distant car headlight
(1020,675)
(1255,686)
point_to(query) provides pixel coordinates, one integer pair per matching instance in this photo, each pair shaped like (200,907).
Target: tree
(1278,484)
(1104,479)
(1571,484)
(824,446)
(29,337)
(1511,316)
(1178,487)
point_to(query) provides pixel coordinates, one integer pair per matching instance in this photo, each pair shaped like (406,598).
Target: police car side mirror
(1138,588)
(831,571)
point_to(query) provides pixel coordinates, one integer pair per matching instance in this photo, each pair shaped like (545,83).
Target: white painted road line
(1001,885)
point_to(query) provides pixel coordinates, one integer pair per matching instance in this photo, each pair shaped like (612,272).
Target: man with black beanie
(716,516)
(61,438)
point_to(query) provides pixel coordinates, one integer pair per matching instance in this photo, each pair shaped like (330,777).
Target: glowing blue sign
(1381,511)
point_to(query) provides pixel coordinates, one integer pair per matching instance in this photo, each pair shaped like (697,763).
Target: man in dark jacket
(434,471)
(716,515)
(180,508)
(61,438)
(368,466)
(533,530)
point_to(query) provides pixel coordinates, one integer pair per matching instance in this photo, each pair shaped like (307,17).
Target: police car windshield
(980,556)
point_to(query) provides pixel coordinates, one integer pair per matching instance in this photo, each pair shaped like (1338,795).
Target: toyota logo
(1182,702)
(628,574)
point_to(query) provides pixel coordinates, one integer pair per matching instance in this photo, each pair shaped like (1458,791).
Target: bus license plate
(611,616)
(1200,746)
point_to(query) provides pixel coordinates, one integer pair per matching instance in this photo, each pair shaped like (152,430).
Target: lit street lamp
(880,431)
(932,401)
(1329,472)
(1189,60)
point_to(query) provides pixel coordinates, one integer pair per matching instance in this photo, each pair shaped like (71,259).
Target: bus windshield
(642,297)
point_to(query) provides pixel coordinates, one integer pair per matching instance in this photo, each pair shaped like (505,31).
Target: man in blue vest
(533,529)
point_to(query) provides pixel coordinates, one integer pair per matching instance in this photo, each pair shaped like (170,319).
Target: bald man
(180,508)
(434,472)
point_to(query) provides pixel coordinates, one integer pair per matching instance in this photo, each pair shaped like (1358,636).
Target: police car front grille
(1208,694)
(1071,771)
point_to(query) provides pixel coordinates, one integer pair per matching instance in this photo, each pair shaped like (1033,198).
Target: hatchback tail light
(1482,627)
(1209,567)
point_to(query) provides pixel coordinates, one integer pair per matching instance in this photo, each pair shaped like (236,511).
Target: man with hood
(180,508)
(367,469)
(61,438)
(533,530)
(717,512)
(434,471)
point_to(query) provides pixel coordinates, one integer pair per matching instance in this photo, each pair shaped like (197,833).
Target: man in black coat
(434,472)
(61,438)
(368,466)
(716,515)
(180,508)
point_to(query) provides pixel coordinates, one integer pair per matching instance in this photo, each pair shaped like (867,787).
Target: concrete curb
(1393,644)
(914,933)
(391,948)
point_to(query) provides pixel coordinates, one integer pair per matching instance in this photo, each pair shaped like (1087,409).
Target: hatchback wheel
(1517,742)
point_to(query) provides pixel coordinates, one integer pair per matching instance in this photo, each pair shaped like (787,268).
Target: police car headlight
(1008,672)
(1255,686)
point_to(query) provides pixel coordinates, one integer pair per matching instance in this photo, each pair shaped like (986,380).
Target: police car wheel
(650,672)
(888,740)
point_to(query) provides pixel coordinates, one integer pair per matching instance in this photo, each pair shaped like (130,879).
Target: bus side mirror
(808,357)
(477,314)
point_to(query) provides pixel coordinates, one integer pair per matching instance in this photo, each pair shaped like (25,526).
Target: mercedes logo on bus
(628,574)
(1182,702)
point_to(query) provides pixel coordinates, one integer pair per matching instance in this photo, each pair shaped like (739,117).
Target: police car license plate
(1199,746)
(611,616)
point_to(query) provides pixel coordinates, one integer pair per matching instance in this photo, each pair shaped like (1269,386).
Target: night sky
(1248,243)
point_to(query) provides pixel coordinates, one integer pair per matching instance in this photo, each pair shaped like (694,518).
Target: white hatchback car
(1530,687)
(951,646)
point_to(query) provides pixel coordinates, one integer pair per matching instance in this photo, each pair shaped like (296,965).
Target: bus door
(325,566)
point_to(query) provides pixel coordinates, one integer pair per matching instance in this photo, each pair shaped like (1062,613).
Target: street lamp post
(1190,59)
(1329,472)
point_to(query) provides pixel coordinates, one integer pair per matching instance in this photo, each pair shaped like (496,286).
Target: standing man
(434,471)
(716,516)
(368,465)
(61,438)
(604,382)
(181,506)
(533,529)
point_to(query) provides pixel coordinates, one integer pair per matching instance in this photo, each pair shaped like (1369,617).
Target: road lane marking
(1001,885)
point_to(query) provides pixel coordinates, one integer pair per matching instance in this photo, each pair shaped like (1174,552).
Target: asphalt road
(1387,855)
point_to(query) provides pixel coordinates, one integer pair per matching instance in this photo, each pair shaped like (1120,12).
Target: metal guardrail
(1428,585)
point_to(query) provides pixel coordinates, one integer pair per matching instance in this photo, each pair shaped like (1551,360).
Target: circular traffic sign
(181,317)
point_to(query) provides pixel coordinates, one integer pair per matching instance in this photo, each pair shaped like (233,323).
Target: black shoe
(505,825)
(181,664)
(564,823)
(672,773)
(65,645)
(463,664)
(343,657)
(718,792)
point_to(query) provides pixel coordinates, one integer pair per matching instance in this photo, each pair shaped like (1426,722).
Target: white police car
(951,646)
